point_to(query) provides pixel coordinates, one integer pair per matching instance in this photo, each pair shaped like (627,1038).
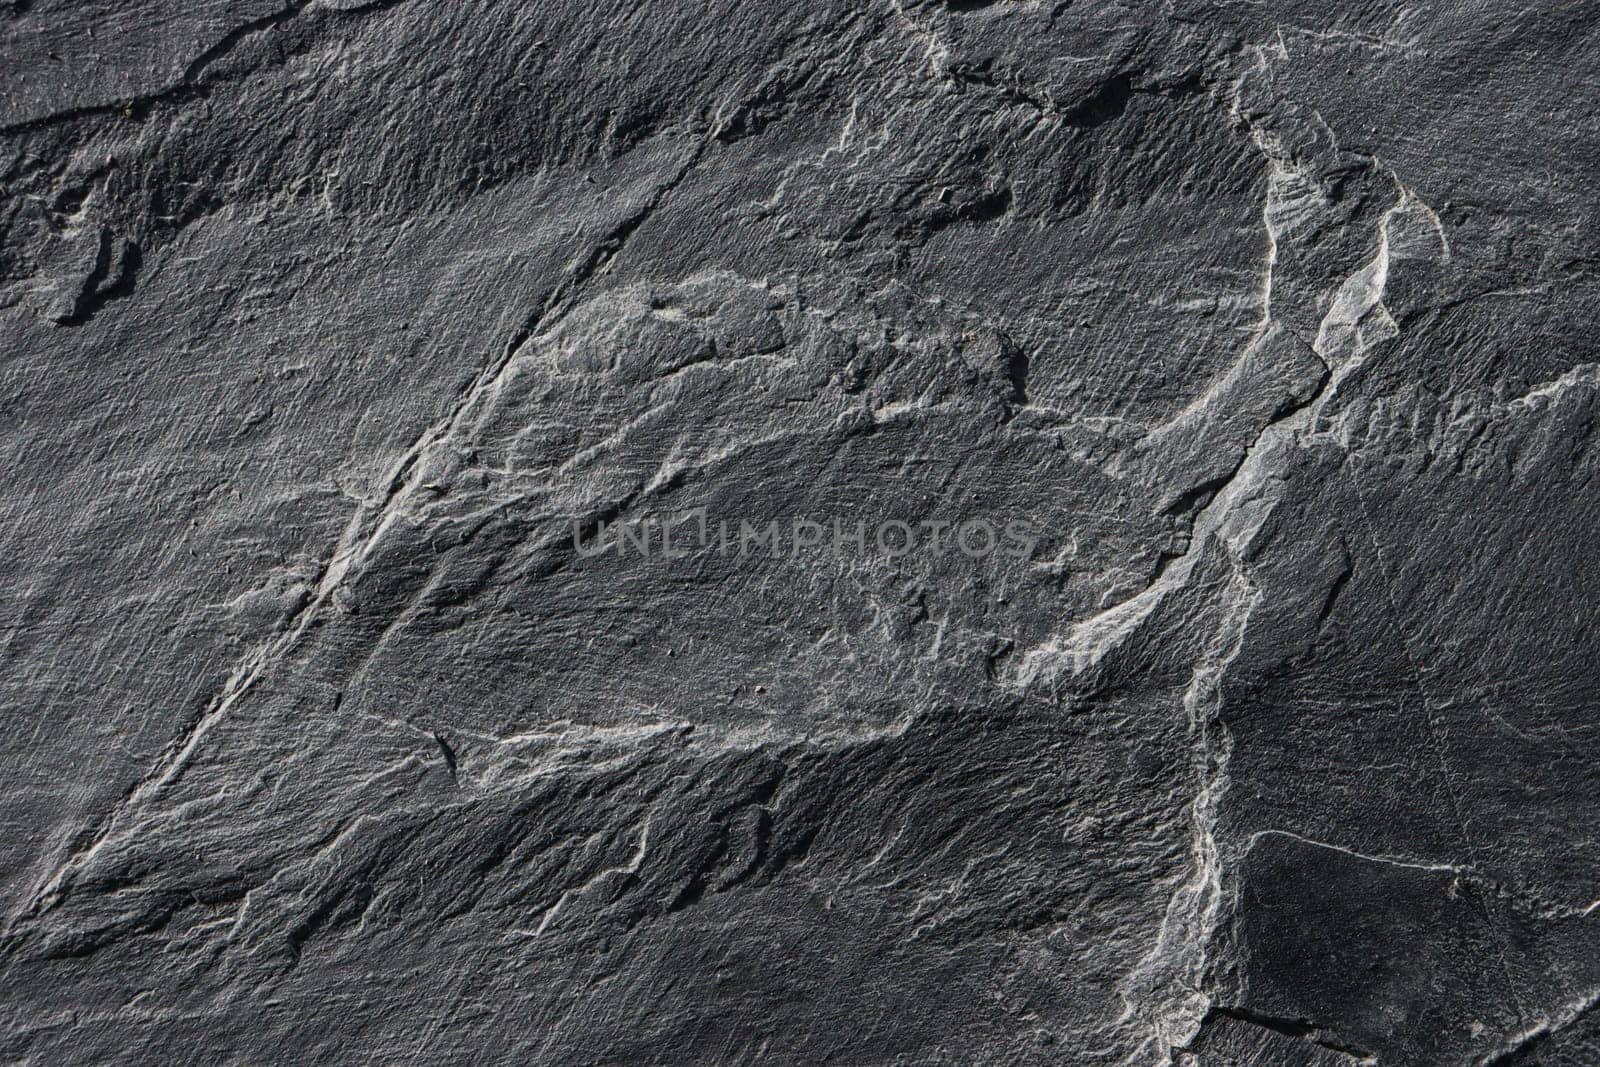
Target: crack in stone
(189,87)
(1340,346)
(365,529)
(354,547)
(1298,1029)
(1527,1045)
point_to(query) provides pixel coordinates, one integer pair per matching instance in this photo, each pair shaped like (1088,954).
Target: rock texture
(325,326)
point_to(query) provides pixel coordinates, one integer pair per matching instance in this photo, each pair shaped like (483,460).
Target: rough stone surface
(325,326)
